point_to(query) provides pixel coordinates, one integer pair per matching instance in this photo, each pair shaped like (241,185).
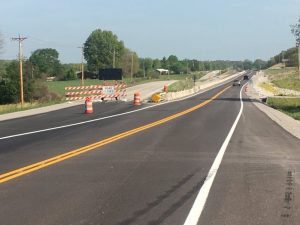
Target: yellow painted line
(42,164)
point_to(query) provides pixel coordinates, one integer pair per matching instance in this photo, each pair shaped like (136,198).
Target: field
(59,86)
(287,78)
(290,106)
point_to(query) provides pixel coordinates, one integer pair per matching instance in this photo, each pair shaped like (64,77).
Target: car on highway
(246,77)
(236,83)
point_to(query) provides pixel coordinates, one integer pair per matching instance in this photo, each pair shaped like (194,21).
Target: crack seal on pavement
(289,197)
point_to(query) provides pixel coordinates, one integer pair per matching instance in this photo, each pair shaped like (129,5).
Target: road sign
(108,90)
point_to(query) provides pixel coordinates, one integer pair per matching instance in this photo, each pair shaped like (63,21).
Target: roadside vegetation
(284,78)
(185,83)
(268,87)
(290,106)
(9,108)
(185,79)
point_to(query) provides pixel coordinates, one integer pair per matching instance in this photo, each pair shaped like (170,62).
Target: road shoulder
(286,122)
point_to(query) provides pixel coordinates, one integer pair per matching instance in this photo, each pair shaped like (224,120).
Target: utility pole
(131,74)
(283,59)
(82,66)
(299,59)
(144,68)
(114,58)
(187,66)
(20,40)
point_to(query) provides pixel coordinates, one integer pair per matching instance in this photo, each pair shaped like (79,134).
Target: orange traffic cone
(137,98)
(88,105)
(165,88)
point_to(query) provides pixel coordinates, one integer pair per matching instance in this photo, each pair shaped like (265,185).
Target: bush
(8,92)
(67,74)
(41,93)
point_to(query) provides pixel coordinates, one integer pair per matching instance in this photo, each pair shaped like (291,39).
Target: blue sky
(204,30)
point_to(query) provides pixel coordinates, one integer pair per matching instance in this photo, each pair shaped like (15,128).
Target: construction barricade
(96,92)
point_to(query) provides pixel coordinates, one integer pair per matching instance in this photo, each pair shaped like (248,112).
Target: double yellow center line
(42,164)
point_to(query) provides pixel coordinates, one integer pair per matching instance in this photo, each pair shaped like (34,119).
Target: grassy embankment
(184,82)
(290,106)
(188,82)
(286,78)
(9,108)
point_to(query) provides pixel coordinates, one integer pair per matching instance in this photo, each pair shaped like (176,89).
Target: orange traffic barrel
(137,98)
(165,88)
(88,105)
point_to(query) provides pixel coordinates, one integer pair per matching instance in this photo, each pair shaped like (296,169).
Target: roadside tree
(1,43)
(128,60)
(100,48)
(156,64)
(45,62)
(296,31)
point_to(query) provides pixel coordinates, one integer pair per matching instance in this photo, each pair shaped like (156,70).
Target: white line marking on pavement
(198,206)
(108,117)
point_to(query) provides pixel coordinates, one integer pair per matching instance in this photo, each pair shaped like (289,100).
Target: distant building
(163,71)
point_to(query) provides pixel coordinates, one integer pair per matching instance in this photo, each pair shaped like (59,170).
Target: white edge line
(198,206)
(108,117)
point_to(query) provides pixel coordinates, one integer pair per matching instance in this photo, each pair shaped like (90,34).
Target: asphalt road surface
(150,175)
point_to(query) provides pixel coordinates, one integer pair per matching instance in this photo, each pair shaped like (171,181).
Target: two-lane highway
(145,167)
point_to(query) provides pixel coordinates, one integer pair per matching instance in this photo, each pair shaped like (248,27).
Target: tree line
(289,56)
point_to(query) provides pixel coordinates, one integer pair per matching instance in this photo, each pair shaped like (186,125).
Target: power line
(20,40)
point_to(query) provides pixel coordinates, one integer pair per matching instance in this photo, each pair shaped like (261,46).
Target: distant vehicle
(246,77)
(236,83)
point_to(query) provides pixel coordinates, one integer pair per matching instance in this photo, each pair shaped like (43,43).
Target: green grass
(287,78)
(9,108)
(268,87)
(59,86)
(290,106)
(181,85)
(184,82)
(291,83)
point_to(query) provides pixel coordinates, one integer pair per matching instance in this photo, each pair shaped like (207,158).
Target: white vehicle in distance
(236,83)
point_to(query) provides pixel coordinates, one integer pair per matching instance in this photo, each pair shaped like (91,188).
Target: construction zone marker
(108,90)
(156,98)
(137,98)
(166,88)
(88,105)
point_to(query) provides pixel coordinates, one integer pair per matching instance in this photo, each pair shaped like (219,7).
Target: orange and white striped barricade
(106,91)
(74,93)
